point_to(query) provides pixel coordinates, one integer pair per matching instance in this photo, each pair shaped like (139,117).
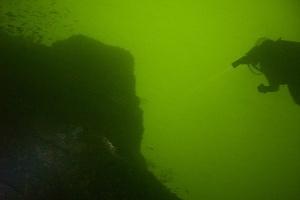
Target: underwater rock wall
(71,125)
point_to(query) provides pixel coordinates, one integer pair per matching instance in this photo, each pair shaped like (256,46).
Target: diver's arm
(273,86)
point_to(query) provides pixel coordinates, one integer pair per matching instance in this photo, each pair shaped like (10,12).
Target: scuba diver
(279,61)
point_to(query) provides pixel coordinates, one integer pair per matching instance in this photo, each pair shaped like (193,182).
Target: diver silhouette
(279,61)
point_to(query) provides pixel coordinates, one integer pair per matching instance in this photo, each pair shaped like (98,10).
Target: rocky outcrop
(71,125)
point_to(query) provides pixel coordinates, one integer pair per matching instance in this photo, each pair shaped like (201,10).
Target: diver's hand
(262,88)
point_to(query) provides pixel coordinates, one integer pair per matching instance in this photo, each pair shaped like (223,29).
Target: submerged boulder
(71,125)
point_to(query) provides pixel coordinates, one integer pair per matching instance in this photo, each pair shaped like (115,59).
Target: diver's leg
(294,89)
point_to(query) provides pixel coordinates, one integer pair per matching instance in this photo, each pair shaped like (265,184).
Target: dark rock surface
(71,125)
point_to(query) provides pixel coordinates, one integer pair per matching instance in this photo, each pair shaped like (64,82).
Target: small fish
(187,191)
(10,14)
(20,30)
(53,12)
(150,147)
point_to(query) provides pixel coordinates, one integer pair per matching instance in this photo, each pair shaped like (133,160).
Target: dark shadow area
(71,125)
(279,61)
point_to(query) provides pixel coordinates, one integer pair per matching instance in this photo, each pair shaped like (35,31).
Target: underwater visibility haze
(209,132)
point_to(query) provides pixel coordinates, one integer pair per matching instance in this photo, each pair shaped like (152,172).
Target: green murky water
(208,133)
